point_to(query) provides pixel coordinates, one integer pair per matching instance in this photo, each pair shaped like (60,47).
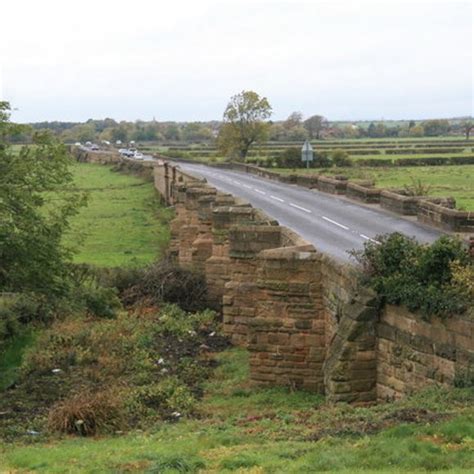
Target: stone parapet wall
(410,205)
(405,205)
(332,185)
(413,353)
(445,218)
(361,193)
(101,157)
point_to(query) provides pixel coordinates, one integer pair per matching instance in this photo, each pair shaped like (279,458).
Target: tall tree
(294,120)
(244,123)
(434,128)
(37,199)
(467,127)
(315,125)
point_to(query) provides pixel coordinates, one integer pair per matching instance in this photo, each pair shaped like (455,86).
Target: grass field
(123,223)
(455,181)
(394,151)
(241,429)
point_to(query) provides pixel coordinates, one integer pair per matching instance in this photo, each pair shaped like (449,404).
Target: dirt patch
(356,428)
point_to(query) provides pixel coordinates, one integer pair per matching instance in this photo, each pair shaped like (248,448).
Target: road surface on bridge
(334,225)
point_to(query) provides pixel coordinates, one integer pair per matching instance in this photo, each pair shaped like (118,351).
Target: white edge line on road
(277,198)
(368,238)
(300,208)
(335,223)
(247,186)
(259,191)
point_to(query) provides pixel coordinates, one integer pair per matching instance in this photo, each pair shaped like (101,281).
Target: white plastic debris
(56,371)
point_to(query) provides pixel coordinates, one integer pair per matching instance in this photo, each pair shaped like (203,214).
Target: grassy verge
(123,224)
(242,429)
(11,358)
(455,181)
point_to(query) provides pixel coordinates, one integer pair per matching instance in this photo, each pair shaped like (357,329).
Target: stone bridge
(303,316)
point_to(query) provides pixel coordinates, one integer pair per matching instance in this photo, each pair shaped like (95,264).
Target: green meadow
(123,223)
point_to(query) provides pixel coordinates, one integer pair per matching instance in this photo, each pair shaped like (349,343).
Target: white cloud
(184,59)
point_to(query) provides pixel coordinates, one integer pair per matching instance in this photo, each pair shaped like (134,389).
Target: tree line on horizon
(294,128)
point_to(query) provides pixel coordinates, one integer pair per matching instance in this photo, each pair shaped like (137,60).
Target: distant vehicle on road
(95,147)
(88,143)
(126,152)
(138,156)
(77,144)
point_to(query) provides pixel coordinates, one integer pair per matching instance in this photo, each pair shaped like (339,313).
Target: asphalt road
(332,224)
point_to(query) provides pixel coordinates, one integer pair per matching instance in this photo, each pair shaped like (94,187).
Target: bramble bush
(426,278)
(165,281)
(340,158)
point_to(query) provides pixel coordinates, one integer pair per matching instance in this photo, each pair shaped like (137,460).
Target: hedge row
(423,150)
(428,161)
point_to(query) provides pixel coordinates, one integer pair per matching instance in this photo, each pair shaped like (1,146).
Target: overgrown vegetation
(434,279)
(417,188)
(238,428)
(166,281)
(86,375)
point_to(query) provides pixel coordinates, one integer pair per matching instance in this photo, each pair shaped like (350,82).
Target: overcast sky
(182,60)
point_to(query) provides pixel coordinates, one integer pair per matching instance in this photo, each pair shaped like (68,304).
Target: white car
(126,152)
(138,156)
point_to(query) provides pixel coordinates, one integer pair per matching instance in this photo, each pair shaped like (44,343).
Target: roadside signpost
(307,153)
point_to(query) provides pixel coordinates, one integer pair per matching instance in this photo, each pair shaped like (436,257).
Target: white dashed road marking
(259,191)
(300,208)
(335,223)
(277,198)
